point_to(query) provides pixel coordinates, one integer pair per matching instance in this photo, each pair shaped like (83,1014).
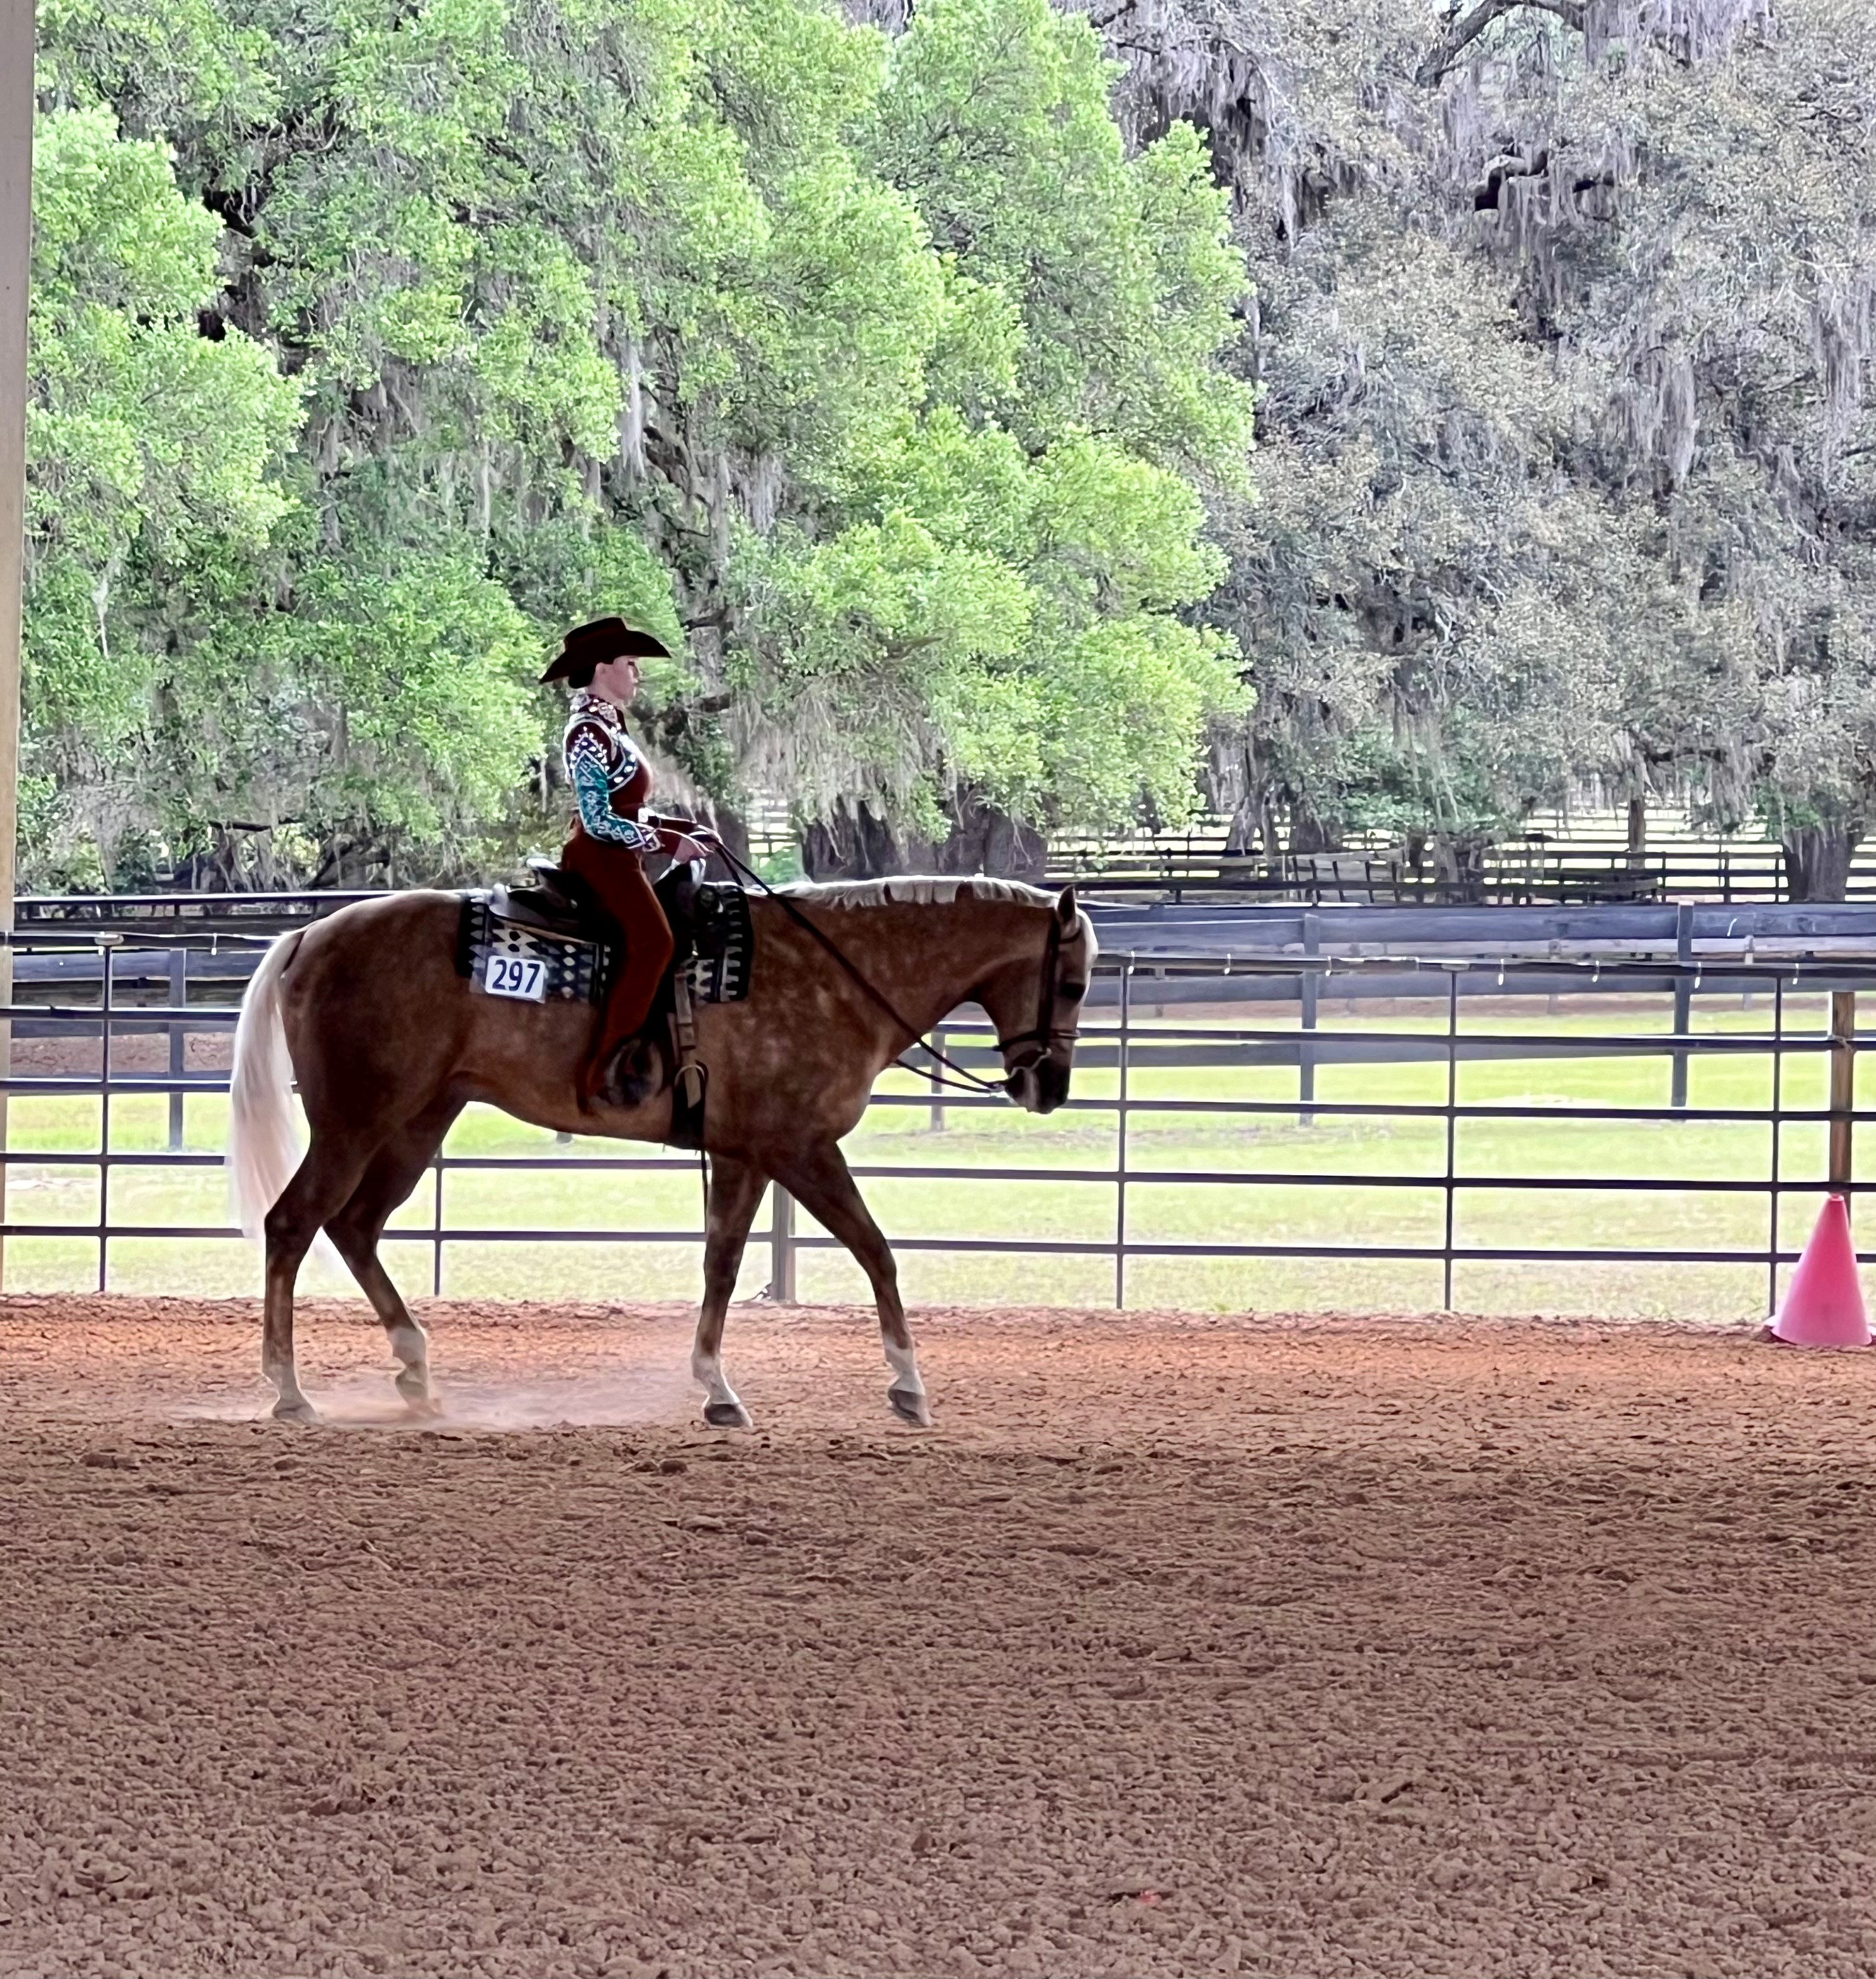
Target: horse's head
(1035,1003)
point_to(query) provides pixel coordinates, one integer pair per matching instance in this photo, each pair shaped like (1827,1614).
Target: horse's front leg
(822,1183)
(736,1187)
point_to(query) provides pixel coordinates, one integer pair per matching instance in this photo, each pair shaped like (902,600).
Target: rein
(967,1081)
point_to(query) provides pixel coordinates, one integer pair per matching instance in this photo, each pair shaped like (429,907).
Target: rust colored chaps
(616,874)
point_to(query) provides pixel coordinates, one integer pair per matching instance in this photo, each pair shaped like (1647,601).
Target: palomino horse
(388,1042)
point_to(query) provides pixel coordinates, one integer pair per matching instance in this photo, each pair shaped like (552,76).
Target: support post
(178,1043)
(16,109)
(436,1225)
(1683,996)
(108,946)
(1453,1123)
(1308,990)
(1842,1088)
(1119,1159)
(781,1245)
(1774,1219)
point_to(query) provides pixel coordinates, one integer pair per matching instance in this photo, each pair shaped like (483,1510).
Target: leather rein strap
(971,1081)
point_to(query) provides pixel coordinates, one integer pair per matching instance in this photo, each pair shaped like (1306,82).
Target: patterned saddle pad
(522,948)
(526,962)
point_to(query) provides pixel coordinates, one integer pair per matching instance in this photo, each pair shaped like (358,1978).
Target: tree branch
(1468,28)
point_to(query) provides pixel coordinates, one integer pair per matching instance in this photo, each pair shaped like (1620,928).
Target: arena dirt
(1180,1646)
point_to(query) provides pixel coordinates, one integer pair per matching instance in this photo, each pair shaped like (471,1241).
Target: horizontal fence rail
(1585,861)
(1580,859)
(1213,1022)
(1580,875)
(1569,871)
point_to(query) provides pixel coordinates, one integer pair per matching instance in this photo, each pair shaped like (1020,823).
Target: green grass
(1163,1204)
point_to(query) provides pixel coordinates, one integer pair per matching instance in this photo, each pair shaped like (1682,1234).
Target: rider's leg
(616,876)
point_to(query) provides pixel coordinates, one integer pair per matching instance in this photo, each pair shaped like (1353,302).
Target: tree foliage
(1565,317)
(373,345)
(898,365)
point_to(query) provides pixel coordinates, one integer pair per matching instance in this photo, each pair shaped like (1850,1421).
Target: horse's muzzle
(1039,1088)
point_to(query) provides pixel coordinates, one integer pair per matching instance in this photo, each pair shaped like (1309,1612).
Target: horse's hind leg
(735,1188)
(320,1184)
(392,1173)
(821,1181)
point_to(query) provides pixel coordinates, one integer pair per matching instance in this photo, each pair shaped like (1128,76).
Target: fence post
(1683,996)
(6,1065)
(1307,990)
(1775,1217)
(178,1041)
(1119,1168)
(1453,1117)
(16,123)
(935,1119)
(436,1225)
(781,1245)
(107,950)
(1843,1088)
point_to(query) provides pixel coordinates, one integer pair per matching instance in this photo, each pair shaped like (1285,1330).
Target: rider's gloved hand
(685,843)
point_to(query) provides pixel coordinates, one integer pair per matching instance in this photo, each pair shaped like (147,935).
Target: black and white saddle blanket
(529,964)
(551,942)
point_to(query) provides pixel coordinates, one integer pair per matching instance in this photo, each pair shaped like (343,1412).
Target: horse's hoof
(299,1410)
(416,1391)
(909,1407)
(727,1415)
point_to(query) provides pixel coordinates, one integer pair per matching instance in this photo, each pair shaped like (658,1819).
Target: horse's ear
(1066,911)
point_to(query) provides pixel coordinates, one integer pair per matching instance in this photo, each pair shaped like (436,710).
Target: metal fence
(1584,860)
(1560,870)
(1513,873)
(1220,1022)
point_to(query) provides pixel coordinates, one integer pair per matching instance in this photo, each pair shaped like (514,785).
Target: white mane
(916,889)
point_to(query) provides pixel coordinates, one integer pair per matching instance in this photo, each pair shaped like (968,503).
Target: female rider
(611,781)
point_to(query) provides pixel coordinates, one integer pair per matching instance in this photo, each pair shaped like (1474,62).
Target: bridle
(1043,1034)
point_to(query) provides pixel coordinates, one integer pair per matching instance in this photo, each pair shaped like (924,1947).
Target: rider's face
(617,679)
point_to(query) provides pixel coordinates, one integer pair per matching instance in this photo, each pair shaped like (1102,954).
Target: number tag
(524,977)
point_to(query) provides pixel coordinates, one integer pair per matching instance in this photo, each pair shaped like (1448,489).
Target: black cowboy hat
(589,646)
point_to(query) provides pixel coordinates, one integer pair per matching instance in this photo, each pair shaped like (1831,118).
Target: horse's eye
(1072,992)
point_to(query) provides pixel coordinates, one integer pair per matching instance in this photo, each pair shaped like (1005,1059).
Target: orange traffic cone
(1823,1303)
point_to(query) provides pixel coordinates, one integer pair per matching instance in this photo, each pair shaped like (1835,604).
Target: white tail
(264,1144)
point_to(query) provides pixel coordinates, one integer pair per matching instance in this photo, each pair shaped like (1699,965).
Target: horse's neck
(924,966)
